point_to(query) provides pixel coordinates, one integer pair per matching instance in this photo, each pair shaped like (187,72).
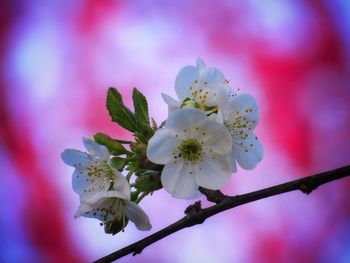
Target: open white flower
(111,205)
(199,87)
(104,192)
(93,171)
(241,116)
(195,151)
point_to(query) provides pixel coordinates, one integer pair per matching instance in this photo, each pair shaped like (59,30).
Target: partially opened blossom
(195,151)
(104,192)
(241,116)
(199,87)
(107,206)
(93,171)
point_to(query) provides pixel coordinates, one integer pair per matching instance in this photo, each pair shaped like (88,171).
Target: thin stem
(197,215)
(138,200)
(128,176)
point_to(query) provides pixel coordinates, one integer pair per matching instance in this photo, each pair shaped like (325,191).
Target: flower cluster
(209,130)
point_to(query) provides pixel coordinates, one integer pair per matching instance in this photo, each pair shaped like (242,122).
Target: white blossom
(206,89)
(199,87)
(241,116)
(104,192)
(195,151)
(110,205)
(93,171)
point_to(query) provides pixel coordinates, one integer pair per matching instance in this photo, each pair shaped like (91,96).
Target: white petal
(99,196)
(83,209)
(215,137)
(212,76)
(184,121)
(95,149)
(86,186)
(213,173)
(222,99)
(99,205)
(230,93)
(81,181)
(172,103)
(162,145)
(231,159)
(121,185)
(135,214)
(250,153)
(76,158)
(200,64)
(177,180)
(219,99)
(90,209)
(184,79)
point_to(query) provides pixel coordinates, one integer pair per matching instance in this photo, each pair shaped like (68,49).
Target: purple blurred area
(57,59)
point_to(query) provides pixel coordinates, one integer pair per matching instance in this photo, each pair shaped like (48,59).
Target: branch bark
(197,215)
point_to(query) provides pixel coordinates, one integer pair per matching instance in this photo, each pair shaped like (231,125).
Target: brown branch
(215,196)
(197,215)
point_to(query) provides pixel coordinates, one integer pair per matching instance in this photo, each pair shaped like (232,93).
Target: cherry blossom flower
(111,205)
(104,192)
(93,171)
(199,87)
(241,116)
(195,151)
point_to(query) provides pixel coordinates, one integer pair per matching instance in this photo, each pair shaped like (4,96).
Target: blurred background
(57,59)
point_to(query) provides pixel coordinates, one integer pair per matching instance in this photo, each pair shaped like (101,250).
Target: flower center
(200,96)
(100,177)
(190,150)
(201,105)
(111,208)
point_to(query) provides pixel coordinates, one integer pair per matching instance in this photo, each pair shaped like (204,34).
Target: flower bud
(114,147)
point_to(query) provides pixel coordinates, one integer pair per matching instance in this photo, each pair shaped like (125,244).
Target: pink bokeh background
(57,59)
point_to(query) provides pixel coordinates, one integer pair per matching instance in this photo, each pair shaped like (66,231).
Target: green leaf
(118,163)
(140,106)
(113,146)
(114,92)
(144,133)
(122,141)
(118,112)
(154,124)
